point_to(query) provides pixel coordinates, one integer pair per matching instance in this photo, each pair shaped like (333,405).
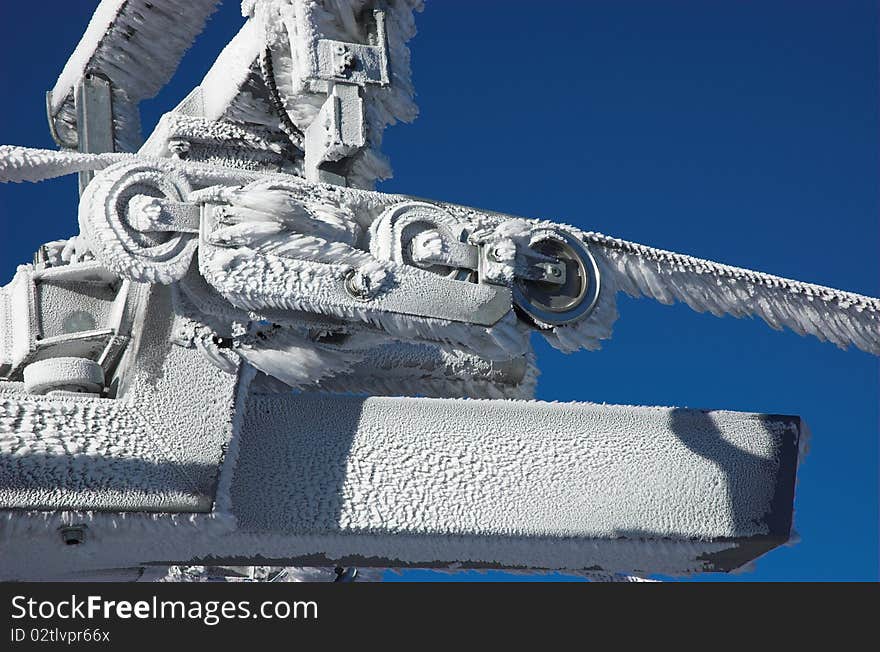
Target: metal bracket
(336,133)
(53,128)
(341,69)
(152,214)
(354,63)
(546,272)
(453,253)
(94,120)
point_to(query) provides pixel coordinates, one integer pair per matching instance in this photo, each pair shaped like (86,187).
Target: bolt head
(359,286)
(73,535)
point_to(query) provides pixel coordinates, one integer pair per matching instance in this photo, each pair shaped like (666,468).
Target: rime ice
(247,352)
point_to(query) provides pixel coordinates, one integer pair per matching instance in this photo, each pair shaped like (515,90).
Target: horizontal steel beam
(185,464)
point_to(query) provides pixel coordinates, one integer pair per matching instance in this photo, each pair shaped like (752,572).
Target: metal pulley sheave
(549,302)
(553,277)
(127,216)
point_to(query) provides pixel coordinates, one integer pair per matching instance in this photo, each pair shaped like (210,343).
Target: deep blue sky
(742,131)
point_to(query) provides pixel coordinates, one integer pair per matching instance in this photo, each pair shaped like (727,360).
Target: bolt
(73,535)
(183,338)
(359,285)
(346,59)
(179,148)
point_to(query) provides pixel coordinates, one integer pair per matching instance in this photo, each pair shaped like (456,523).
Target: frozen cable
(293,132)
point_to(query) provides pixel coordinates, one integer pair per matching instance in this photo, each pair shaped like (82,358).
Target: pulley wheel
(553,304)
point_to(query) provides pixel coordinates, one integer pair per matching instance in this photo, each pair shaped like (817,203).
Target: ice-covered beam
(410,481)
(234,476)
(319,480)
(136,45)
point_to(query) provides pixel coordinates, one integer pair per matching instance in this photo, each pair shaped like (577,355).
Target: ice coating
(501,482)
(338,20)
(19,164)
(431,482)
(844,318)
(137,45)
(841,317)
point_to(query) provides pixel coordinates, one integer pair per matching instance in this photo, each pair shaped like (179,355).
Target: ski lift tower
(249,356)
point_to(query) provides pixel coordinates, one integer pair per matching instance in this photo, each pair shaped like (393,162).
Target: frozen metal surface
(156,447)
(222,296)
(134,44)
(400,481)
(507,468)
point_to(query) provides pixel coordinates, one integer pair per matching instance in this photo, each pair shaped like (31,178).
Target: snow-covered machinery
(244,333)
